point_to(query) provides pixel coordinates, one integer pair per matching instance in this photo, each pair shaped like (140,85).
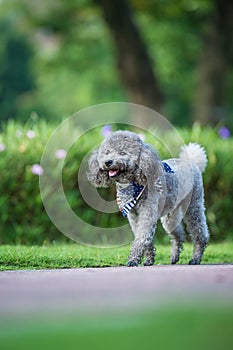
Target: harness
(128,195)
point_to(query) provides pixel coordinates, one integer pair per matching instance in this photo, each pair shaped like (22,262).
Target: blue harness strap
(167,168)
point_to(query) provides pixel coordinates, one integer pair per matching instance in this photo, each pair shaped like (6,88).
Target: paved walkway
(118,288)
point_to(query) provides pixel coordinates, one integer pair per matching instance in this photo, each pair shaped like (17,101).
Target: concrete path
(118,288)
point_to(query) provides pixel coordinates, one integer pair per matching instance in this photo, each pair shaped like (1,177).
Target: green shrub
(23,218)
(218,180)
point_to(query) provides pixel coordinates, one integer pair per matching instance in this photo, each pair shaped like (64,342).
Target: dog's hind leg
(196,225)
(172,224)
(177,240)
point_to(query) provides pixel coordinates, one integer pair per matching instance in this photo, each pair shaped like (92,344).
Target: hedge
(23,219)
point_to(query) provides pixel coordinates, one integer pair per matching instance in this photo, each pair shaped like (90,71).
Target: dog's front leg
(143,225)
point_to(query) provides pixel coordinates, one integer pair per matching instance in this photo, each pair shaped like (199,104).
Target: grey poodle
(149,189)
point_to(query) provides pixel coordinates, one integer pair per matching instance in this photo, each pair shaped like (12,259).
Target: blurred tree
(15,74)
(174,54)
(74,58)
(214,64)
(134,64)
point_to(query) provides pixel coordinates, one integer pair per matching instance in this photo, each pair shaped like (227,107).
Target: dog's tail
(196,154)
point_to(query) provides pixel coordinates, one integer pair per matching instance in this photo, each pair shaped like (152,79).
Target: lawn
(74,256)
(177,327)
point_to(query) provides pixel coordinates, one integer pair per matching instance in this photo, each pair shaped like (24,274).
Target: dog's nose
(108,162)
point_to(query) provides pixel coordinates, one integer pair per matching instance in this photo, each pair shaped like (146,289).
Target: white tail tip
(196,154)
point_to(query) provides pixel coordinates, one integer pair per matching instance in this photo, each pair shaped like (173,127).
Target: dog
(149,189)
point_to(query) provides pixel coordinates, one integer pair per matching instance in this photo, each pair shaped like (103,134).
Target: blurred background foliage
(57,57)
(23,217)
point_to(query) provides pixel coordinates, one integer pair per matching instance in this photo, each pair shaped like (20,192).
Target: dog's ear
(97,176)
(149,166)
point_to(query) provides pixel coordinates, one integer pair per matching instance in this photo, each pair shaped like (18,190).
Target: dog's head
(122,157)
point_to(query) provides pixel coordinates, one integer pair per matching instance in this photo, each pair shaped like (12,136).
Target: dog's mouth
(116,169)
(114,172)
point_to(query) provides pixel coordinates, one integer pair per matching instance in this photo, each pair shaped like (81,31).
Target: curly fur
(175,198)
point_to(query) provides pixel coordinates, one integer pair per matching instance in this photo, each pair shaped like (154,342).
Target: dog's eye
(122,153)
(107,152)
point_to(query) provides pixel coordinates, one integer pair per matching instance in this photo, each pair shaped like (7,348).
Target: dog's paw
(174,260)
(132,263)
(148,262)
(194,262)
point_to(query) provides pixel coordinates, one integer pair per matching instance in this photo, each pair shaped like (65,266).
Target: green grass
(73,256)
(190,327)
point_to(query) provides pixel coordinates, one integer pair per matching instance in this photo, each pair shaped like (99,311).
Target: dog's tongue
(112,172)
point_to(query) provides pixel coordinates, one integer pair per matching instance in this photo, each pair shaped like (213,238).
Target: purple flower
(60,154)
(37,169)
(106,130)
(224,132)
(2,147)
(31,134)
